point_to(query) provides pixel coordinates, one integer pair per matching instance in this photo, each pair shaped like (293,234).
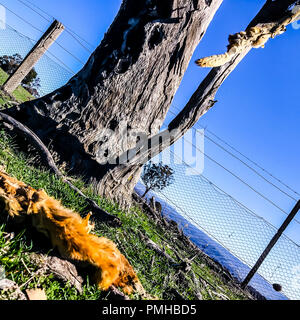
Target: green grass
(20,94)
(3,76)
(157,276)
(15,258)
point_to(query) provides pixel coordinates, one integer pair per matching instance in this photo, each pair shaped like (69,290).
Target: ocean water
(214,250)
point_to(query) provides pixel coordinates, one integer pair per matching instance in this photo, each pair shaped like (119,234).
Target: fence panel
(232,234)
(51,72)
(221,226)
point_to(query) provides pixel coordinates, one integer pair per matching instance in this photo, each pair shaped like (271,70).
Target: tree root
(49,161)
(61,269)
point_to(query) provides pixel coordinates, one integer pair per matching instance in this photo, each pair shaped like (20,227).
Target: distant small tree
(156,176)
(31,82)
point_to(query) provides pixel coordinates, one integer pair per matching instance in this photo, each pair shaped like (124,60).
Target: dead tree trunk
(270,21)
(128,83)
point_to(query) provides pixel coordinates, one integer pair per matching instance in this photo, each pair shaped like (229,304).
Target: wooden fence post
(271,244)
(33,56)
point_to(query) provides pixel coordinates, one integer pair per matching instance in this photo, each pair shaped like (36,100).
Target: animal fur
(69,233)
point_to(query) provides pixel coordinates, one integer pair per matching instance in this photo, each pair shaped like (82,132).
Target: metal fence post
(33,56)
(271,244)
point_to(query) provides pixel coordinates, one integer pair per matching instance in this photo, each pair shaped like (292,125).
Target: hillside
(193,276)
(19,95)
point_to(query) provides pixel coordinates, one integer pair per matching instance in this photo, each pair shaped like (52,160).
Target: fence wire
(231,234)
(51,72)
(222,227)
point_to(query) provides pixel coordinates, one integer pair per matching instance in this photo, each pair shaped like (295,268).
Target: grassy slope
(20,94)
(158,278)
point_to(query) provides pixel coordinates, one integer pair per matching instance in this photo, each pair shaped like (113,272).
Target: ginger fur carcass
(69,233)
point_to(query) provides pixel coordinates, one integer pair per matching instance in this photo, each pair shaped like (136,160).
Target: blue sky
(258,105)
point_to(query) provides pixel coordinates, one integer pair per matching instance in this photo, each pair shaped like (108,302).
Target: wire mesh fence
(52,73)
(219,225)
(231,234)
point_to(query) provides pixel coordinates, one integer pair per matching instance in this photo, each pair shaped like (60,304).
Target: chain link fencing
(230,233)
(52,72)
(219,225)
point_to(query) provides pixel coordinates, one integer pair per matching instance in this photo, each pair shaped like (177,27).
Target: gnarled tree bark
(273,15)
(128,83)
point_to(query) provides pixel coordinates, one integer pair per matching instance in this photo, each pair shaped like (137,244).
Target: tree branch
(270,21)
